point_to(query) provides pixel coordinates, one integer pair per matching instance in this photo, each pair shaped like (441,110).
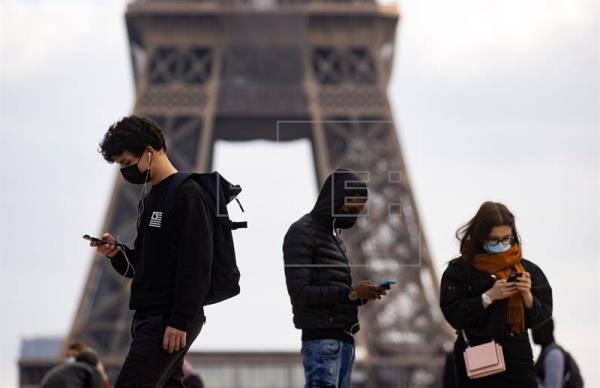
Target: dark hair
(473,234)
(132,133)
(77,345)
(88,356)
(543,334)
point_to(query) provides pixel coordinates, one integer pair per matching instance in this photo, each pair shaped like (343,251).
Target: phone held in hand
(513,277)
(95,239)
(386,284)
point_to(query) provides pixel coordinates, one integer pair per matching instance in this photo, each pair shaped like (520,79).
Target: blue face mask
(496,248)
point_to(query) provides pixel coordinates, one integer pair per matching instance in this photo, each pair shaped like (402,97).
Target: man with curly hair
(170,263)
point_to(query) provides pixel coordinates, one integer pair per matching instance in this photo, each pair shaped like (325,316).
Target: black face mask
(132,174)
(345,222)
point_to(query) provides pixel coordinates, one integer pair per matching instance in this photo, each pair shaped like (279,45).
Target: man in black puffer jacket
(319,281)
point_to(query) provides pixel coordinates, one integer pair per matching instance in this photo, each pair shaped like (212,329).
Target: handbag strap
(464,335)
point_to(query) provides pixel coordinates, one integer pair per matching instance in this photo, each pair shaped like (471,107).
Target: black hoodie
(318,276)
(339,187)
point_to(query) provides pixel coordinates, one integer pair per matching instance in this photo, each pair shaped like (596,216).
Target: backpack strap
(178,179)
(549,348)
(544,354)
(238,225)
(465,338)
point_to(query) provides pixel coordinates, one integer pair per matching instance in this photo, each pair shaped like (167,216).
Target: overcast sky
(493,99)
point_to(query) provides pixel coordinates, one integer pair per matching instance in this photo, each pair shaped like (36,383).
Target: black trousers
(147,364)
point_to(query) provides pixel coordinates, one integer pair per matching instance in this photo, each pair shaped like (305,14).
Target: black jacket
(172,255)
(460,300)
(317,273)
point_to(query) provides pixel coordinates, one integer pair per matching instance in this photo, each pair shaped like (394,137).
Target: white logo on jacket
(155,219)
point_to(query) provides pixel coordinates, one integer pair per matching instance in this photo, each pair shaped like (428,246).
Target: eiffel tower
(284,70)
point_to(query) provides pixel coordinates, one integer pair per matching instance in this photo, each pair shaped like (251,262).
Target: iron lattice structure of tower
(284,70)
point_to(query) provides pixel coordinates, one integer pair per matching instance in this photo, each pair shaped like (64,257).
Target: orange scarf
(502,265)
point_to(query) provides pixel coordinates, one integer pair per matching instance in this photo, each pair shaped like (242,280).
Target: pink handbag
(483,360)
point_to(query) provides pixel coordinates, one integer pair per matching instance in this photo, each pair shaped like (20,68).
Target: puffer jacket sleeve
(461,310)
(298,251)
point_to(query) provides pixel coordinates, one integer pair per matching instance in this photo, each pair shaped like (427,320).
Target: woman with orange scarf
(493,293)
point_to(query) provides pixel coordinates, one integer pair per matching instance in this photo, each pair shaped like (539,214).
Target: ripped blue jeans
(327,363)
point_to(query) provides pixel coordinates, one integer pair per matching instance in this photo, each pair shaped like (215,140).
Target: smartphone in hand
(513,277)
(95,240)
(387,284)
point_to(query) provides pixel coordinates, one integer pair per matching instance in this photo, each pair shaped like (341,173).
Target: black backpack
(225,277)
(572,376)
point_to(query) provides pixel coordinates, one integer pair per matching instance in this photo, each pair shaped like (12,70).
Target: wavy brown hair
(473,234)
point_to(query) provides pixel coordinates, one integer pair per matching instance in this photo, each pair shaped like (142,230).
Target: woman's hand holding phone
(523,285)
(501,289)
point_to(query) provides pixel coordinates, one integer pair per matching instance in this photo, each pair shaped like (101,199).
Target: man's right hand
(368,290)
(108,250)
